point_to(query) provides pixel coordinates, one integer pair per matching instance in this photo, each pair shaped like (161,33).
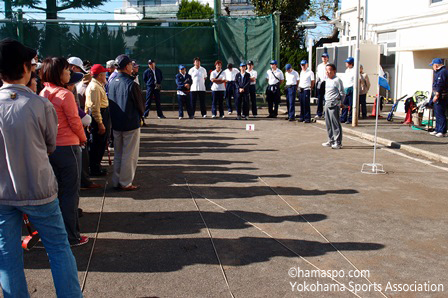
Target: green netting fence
(229,39)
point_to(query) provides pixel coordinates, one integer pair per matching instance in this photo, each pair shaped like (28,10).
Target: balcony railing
(236,2)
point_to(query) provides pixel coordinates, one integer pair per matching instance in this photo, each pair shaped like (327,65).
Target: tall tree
(54,6)
(194,10)
(292,38)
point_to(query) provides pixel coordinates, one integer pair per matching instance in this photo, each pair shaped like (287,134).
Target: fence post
(20,25)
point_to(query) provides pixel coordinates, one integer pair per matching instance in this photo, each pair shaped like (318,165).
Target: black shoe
(80,212)
(269,116)
(348,122)
(162,117)
(291,119)
(287,119)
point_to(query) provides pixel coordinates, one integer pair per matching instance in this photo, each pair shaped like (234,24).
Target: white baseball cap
(110,63)
(77,62)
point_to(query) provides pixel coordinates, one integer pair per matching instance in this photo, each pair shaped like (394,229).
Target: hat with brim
(77,62)
(325,55)
(96,69)
(436,61)
(303,62)
(13,53)
(243,64)
(181,67)
(288,66)
(274,62)
(122,60)
(350,60)
(75,77)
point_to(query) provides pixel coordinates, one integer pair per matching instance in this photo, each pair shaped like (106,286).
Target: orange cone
(374,109)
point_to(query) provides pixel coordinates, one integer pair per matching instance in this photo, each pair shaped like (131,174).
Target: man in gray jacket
(334,95)
(28,129)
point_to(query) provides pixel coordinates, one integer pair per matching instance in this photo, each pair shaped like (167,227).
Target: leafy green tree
(194,10)
(292,38)
(52,7)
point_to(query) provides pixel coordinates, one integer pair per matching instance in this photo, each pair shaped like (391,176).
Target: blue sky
(103,12)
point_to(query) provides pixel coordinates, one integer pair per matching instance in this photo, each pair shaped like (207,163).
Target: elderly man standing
(28,130)
(153,79)
(334,95)
(126,111)
(97,105)
(440,96)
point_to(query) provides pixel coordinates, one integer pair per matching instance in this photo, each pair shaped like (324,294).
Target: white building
(409,34)
(167,9)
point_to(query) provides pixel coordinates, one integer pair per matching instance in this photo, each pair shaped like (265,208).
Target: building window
(436,1)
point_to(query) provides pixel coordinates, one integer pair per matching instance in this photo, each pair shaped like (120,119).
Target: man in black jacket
(153,79)
(242,81)
(126,110)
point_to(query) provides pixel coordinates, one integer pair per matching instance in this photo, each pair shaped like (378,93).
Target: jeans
(346,115)
(180,101)
(217,100)
(47,219)
(231,91)
(291,101)
(66,163)
(305,105)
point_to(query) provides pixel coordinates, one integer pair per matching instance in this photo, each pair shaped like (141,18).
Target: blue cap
(436,61)
(303,62)
(325,55)
(274,62)
(122,60)
(288,66)
(243,64)
(350,60)
(181,67)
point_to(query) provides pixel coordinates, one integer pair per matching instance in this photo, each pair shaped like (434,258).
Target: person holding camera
(153,79)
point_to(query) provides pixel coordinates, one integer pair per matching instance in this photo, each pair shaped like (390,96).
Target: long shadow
(182,222)
(173,254)
(183,139)
(176,145)
(423,143)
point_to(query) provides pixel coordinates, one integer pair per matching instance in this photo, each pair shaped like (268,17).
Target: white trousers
(126,150)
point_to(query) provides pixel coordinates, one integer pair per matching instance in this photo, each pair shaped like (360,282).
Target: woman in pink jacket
(66,160)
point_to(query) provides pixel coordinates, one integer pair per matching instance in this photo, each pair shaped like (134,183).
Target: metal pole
(20,25)
(217,9)
(310,52)
(355,106)
(376,126)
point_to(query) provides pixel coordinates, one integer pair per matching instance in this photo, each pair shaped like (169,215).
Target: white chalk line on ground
(396,152)
(94,239)
(260,229)
(211,239)
(318,232)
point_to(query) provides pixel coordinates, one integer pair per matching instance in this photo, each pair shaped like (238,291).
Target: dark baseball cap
(122,60)
(13,53)
(151,61)
(250,62)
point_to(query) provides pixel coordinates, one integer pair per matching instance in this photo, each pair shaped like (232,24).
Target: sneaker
(229,113)
(204,116)
(348,122)
(246,118)
(161,117)
(213,116)
(433,133)
(223,116)
(287,119)
(82,241)
(238,117)
(440,135)
(336,146)
(318,117)
(255,116)
(291,119)
(180,118)
(327,144)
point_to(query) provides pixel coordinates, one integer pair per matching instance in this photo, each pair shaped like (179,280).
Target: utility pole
(20,25)
(355,106)
(8,9)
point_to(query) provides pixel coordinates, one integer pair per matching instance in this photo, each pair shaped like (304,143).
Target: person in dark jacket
(183,82)
(126,110)
(242,82)
(153,80)
(440,96)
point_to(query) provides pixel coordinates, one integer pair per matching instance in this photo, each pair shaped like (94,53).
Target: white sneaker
(440,135)
(205,116)
(229,113)
(433,133)
(336,146)
(180,118)
(327,144)
(223,116)
(213,116)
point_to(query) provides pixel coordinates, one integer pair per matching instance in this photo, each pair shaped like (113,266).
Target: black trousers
(242,99)
(253,99)
(273,99)
(194,97)
(98,142)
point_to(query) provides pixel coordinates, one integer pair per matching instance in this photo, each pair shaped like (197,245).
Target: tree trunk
(52,10)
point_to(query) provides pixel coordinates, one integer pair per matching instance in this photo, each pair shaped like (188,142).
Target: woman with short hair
(66,159)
